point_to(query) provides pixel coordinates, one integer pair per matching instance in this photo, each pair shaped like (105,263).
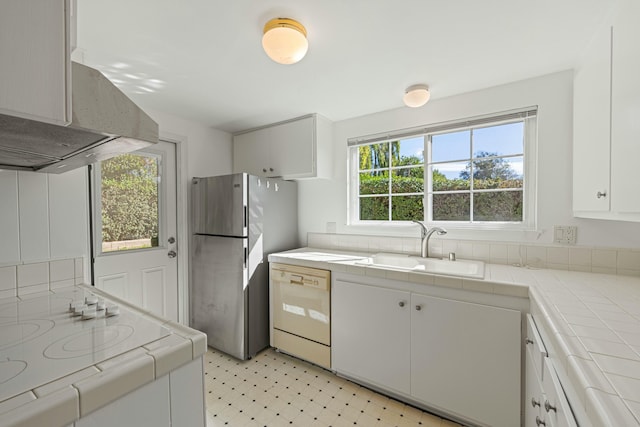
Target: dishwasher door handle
(296,280)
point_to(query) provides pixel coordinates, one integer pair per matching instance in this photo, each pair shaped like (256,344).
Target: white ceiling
(203,60)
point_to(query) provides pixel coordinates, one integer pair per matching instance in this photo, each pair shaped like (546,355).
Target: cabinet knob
(401,303)
(418,307)
(601,194)
(540,422)
(548,407)
(534,402)
(270,169)
(264,169)
(528,341)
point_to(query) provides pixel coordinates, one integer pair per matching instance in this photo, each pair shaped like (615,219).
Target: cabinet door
(35,65)
(251,152)
(370,334)
(292,148)
(465,359)
(591,126)
(625,127)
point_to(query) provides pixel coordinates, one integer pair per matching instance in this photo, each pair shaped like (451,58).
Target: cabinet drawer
(555,407)
(535,345)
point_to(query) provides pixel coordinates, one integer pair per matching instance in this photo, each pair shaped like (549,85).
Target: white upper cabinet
(298,148)
(35,45)
(606,135)
(592,126)
(625,111)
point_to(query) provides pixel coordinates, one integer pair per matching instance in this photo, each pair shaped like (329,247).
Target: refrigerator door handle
(246,217)
(246,255)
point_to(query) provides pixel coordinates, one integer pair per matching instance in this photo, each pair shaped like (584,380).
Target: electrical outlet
(565,234)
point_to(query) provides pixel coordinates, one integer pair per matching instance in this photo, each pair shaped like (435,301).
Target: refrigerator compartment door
(218,292)
(220,205)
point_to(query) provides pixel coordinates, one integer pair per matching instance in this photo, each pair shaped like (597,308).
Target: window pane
(407,180)
(499,140)
(375,182)
(374,156)
(498,206)
(450,177)
(408,151)
(129,185)
(451,146)
(451,207)
(497,173)
(374,208)
(407,208)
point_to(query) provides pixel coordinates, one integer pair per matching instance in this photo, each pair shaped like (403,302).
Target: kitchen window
(475,173)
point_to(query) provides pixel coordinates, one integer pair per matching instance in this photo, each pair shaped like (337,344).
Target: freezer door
(219,205)
(218,292)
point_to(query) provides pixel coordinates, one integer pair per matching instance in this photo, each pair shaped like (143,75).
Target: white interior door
(135,242)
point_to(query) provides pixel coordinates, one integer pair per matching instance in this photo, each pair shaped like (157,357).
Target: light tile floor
(274,390)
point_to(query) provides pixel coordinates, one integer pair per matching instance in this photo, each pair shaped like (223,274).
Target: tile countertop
(75,393)
(593,322)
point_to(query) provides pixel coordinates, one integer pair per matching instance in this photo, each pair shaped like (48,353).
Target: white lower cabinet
(457,358)
(465,359)
(371,334)
(545,401)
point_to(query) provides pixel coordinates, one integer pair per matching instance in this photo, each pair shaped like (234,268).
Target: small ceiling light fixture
(416,96)
(285,40)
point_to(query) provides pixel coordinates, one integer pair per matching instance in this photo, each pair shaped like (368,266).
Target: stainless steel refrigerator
(237,221)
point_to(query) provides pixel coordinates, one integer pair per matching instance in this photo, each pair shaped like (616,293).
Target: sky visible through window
(503,140)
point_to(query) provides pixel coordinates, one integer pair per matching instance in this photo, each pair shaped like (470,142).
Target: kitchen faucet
(426,235)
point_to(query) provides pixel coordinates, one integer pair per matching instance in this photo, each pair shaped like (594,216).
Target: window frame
(528,116)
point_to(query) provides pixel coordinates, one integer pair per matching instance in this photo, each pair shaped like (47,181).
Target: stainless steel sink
(458,268)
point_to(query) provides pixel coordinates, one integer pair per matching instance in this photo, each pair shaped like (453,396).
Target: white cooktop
(41,340)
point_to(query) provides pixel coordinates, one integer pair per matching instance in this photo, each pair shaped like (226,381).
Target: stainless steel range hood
(104,123)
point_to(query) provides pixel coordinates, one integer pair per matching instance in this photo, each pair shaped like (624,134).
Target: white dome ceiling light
(416,96)
(285,40)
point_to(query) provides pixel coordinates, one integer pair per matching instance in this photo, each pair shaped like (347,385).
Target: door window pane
(130,200)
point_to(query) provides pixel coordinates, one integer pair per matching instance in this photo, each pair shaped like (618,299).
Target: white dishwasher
(300,316)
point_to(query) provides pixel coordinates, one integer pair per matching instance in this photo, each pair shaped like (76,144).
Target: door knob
(172,240)
(401,303)
(172,254)
(418,307)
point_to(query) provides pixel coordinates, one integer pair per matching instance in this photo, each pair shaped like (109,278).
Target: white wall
(322,201)
(207,151)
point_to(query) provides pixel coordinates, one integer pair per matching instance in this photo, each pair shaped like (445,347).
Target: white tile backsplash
(8,278)
(61,270)
(33,274)
(624,262)
(27,279)
(629,261)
